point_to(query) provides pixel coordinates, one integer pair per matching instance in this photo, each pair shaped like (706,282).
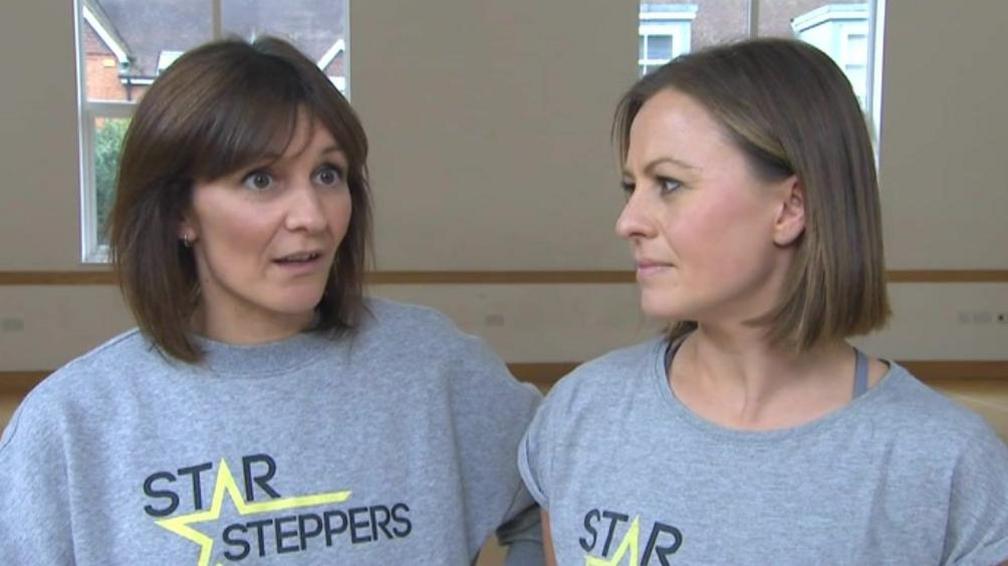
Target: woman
(264,410)
(752,432)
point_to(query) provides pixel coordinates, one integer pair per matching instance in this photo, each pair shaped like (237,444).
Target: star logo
(225,483)
(627,545)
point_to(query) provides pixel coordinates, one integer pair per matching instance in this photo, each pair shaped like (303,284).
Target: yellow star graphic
(629,543)
(225,483)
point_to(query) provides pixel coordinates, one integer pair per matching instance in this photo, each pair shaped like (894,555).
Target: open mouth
(299,258)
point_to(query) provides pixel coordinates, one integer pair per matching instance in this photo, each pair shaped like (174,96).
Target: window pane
(776,16)
(839,27)
(107,144)
(675,27)
(316,27)
(124,42)
(659,47)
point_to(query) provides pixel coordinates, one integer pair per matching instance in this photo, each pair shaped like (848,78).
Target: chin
(298,305)
(664,310)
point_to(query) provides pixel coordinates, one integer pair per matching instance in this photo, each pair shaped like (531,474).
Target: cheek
(233,241)
(719,236)
(338,210)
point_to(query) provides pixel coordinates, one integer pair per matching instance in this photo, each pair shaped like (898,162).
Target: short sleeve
(534,454)
(34,512)
(491,411)
(978,508)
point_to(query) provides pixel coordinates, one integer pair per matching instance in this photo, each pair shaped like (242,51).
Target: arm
(550,556)
(522,537)
(34,513)
(977,531)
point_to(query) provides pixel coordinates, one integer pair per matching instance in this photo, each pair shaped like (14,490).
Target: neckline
(857,405)
(226,360)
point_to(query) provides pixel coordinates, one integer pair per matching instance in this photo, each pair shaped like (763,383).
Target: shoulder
(430,342)
(108,359)
(927,421)
(598,379)
(599,387)
(391,319)
(51,405)
(911,401)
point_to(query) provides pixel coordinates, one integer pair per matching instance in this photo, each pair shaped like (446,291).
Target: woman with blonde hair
(752,432)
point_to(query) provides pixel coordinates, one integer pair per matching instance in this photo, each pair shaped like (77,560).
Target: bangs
(250,127)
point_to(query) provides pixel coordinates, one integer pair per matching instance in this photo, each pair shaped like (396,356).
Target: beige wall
(489,126)
(944,167)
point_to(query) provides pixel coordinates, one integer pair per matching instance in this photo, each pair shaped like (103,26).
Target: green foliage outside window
(108,141)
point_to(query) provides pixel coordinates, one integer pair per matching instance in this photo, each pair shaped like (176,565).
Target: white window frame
(873,74)
(675,21)
(88,111)
(92,251)
(841,21)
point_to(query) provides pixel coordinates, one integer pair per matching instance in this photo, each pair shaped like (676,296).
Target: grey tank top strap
(860,374)
(860,367)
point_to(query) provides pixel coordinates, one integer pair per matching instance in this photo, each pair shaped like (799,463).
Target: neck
(736,377)
(232,328)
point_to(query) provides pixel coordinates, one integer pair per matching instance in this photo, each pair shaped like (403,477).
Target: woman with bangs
(752,432)
(264,409)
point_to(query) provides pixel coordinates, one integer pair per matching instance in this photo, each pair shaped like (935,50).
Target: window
(841,30)
(123,45)
(665,33)
(847,30)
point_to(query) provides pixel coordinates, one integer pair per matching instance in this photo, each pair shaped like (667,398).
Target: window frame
(676,23)
(92,251)
(874,45)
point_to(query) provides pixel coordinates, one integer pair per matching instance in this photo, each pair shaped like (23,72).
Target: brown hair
(218,108)
(791,111)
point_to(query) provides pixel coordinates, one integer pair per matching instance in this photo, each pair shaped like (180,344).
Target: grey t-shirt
(393,446)
(898,476)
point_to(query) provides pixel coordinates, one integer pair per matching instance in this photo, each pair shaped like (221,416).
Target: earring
(186,240)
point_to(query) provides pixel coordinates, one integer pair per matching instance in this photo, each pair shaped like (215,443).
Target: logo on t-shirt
(613,539)
(259,522)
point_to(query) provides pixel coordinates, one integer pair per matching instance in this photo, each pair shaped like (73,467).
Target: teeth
(299,257)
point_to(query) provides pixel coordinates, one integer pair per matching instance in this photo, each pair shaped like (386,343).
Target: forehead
(307,134)
(671,123)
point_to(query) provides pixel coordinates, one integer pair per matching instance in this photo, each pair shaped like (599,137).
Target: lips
(299,257)
(644,263)
(648,267)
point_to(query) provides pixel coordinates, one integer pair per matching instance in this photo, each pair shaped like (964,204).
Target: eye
(628,187)
(328,176)
(667,185)
(258,181)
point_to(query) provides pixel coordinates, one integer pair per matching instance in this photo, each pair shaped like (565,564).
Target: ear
(790,221)
(187,231)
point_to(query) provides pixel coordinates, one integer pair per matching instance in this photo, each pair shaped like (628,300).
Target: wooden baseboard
(545,374)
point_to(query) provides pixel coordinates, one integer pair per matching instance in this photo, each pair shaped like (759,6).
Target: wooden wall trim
(948,276)
(94,277)
(107,277)
(20,382)
(545,374)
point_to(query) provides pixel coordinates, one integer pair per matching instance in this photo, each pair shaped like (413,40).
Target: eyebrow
(272,156)
(649,168)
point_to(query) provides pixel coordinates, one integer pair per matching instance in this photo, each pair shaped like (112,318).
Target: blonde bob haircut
(791,111)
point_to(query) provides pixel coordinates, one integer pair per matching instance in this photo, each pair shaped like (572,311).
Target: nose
(635,221)
(305,210)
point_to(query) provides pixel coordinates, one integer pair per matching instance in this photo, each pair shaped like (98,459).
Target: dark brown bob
(789,108)
(218,108)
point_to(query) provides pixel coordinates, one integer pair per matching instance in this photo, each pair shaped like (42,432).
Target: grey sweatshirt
(393,445)
(629,474)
